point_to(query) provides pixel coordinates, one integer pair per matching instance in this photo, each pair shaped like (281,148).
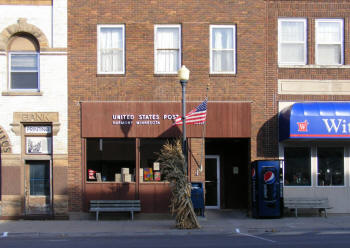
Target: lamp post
(184,75)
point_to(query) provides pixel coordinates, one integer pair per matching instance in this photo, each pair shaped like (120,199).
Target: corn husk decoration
(172,164)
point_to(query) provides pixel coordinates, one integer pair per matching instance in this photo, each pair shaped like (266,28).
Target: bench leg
(325,213)
(96,215)
(296,212)
(132,215)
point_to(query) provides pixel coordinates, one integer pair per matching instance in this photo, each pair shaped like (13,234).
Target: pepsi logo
(269,177)
(253,173)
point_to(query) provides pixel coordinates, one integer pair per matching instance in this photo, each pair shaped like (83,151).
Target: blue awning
(315,120)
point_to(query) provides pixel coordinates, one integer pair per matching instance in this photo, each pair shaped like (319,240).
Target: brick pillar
(196,157)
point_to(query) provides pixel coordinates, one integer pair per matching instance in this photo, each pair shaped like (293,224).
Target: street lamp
(184,75)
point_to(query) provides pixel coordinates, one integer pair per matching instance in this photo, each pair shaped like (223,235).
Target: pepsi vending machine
(267,188)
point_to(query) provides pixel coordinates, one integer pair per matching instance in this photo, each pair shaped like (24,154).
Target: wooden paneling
(109,191)
(224,119)
(155,197)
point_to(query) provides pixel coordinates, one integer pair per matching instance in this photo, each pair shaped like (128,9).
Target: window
(38,139)
(167,48)
(222,49)
(330,166)
(149,167)
(111,160)
(329,41)
(23,63)
(297,166)
(111,49)
(292,41)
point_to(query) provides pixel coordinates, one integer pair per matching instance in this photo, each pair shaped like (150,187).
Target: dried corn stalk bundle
(172,160)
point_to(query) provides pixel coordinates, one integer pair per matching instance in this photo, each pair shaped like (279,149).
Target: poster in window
(147,174)
(38,145)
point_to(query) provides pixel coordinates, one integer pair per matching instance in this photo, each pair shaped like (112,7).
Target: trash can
(197,197)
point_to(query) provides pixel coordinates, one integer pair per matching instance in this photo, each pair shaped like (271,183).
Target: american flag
(197,116)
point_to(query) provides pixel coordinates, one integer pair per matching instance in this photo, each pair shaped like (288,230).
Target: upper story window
(23,55)
(167,49)
(111,49)
(329,42)
(292,41)
(222,49)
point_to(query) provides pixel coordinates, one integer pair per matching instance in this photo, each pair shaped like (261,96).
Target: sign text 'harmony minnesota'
(141,119)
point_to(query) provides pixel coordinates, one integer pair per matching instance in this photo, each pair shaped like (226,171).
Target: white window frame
(178,26)
(99,26)
(304,21)
(10,71)
(234,49)
(341,21)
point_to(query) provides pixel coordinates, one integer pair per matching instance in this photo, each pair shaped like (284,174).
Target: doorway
(212,182)
(234,177)
(38,196)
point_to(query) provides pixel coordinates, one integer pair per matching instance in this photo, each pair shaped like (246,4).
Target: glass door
(212,181)
(38,188)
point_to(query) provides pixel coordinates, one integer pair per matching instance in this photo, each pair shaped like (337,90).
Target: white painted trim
(117,26)
(304,21)
(313,87)
(217,157)
(178,26)
(315,66)
(341,22)
(211,50)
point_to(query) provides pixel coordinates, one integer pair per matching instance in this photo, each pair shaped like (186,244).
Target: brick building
(124,92)
(308,73)
(33,106)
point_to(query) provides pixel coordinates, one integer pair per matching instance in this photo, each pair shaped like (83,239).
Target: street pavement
(215,222)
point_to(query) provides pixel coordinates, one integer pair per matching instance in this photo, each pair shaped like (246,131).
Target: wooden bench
(316,203)
(115,206)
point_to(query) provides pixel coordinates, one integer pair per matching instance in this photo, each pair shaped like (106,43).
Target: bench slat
(115,206)
(316,203)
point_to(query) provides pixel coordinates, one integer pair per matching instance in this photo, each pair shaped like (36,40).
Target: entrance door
(212,181)
(38,188)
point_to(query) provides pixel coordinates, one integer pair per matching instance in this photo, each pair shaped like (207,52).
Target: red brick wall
(310,10)
(139,82)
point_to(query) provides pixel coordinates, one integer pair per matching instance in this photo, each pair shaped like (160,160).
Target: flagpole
(203,136)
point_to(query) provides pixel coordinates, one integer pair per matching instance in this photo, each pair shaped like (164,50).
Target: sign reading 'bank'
(315,120)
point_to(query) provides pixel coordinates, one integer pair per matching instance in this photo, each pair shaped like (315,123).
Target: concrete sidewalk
(215,222)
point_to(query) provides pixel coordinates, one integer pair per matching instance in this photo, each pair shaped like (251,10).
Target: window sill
(164,75)
(106,182)
(21,93)
(315,66)
(111,75)
(222,75)
(155,182)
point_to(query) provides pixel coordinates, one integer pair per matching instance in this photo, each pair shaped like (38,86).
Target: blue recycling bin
(197,197)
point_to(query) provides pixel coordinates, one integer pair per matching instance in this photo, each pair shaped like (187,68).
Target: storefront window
(297,166)
(149,167)
(111,160)
(330,167)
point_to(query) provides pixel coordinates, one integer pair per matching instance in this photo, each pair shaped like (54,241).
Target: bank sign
(316,120)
